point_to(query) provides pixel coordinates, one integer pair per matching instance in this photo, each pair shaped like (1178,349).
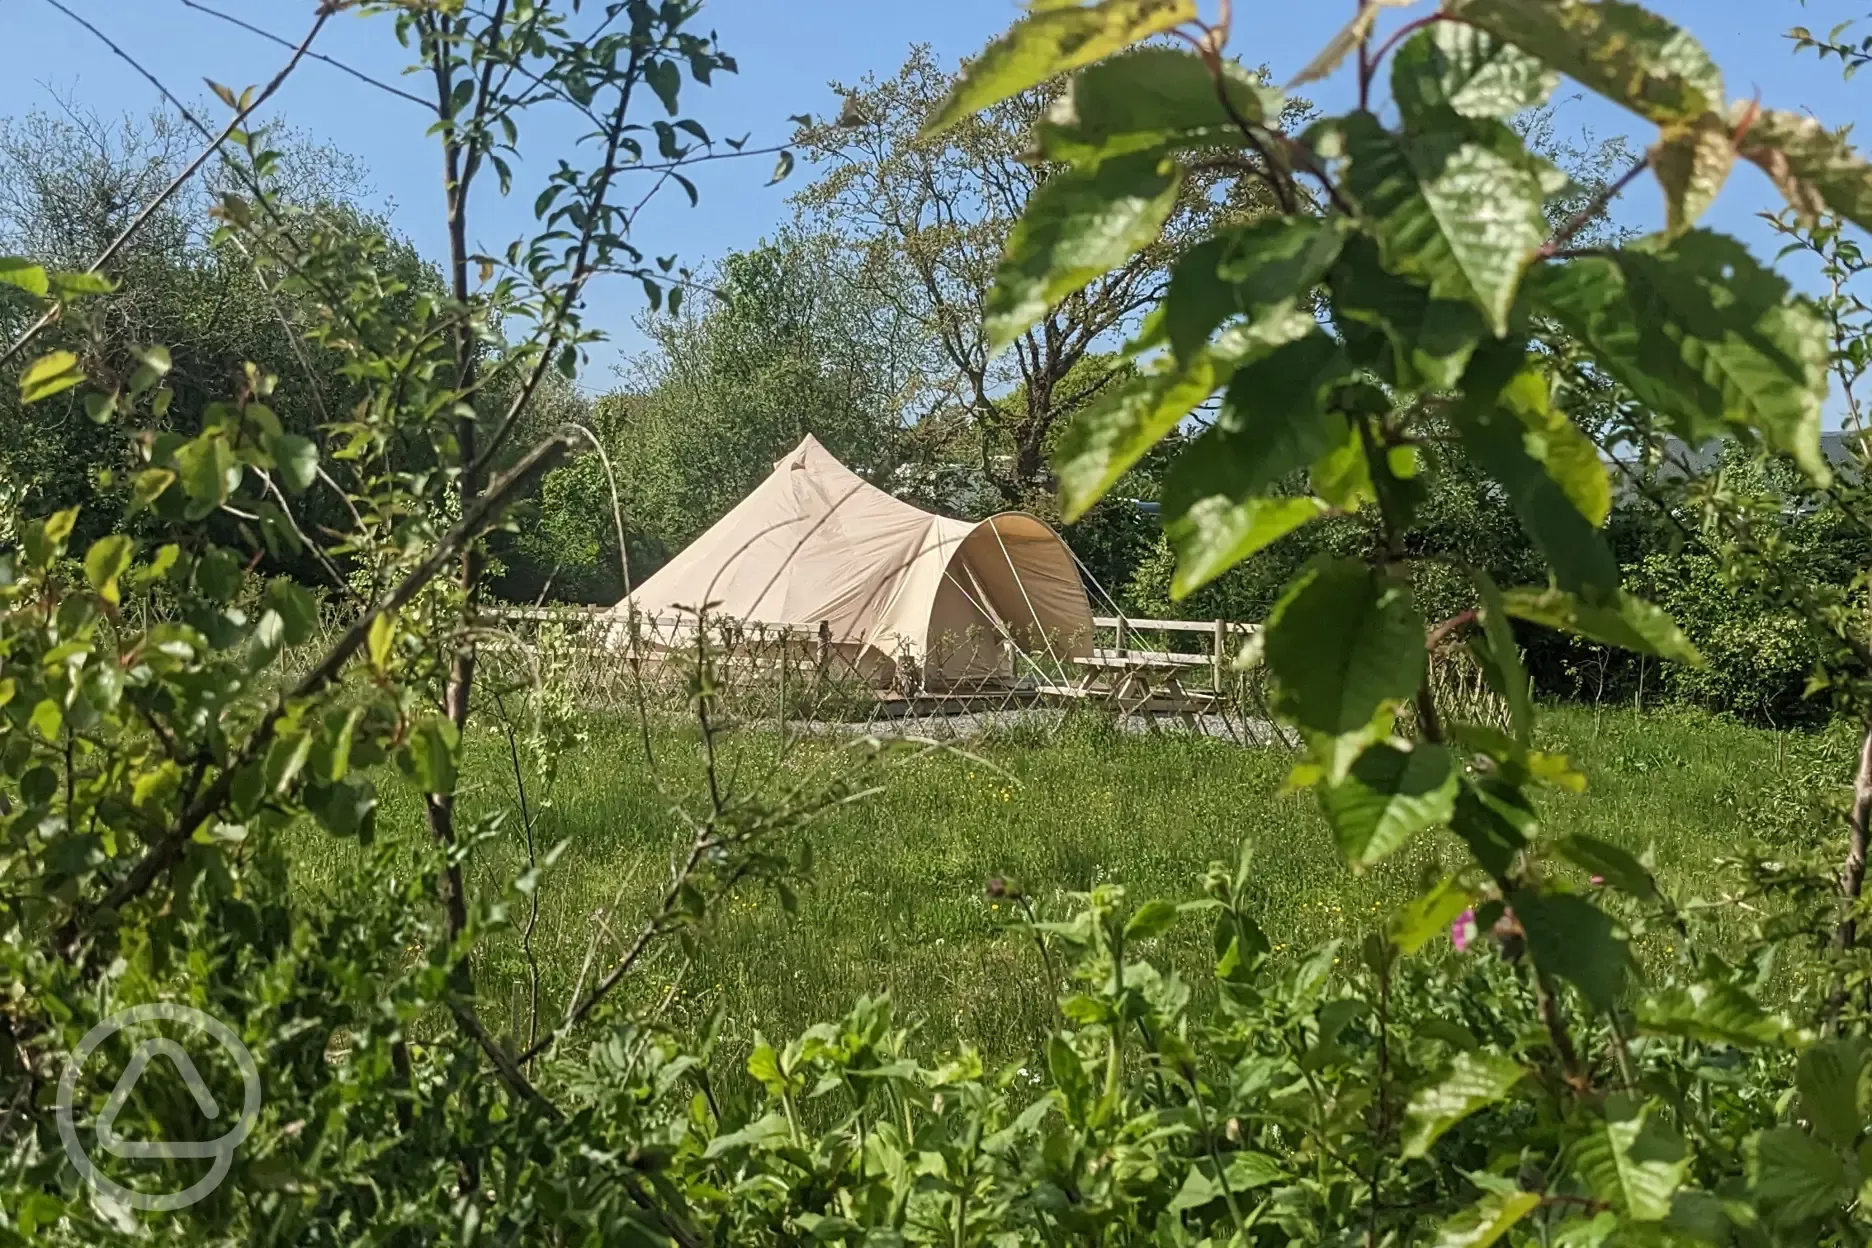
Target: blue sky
(788,53)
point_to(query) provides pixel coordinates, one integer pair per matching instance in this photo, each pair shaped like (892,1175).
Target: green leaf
(1129,418)
(1245,1172)
(50,374)
(1795,1175)
(1633,1160)
(1153,918)
(1703,335)
(1505,427)
(1486,1221)
(1622,51)
(59,526)
(1077,227)
(219,573)
(1502,657)
(298,610)
(664,77)
(1460,68)
(381,641)
(431,757)
(266,641)
(1553,441)
(763,1135)
(1051,40)
(47,720)
(1347,38)
(1610,863)
(1459,207)
(1495,820)
(1815,168)
(24,274)
(1272,425)
(1150,100)
(285,759)
(1070,1080)
(1574,939)
(1342,641)
(1717,1012)
(1241,271)
(1390,794)
(78,285)
(1832,1078)
(297,459)
(1396,327)
(331,753)
(1625,621)
(764,1065)
(347,807)
(1474,1081)
(1427,916)
(1342,476)
(1692,161)
(210,473)
(108,559)
(1214,534)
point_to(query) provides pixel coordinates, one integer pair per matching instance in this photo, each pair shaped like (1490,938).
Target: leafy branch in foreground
(1443,287)
(176,739)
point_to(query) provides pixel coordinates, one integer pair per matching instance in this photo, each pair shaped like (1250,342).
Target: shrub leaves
(1076,227)
(1473,1081)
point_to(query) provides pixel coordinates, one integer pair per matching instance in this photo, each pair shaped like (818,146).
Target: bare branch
(334,62)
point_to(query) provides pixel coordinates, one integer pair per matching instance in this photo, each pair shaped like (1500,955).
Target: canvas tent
(900,589)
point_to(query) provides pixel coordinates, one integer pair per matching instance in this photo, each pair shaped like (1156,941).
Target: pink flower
(1462,931)
(1598,879)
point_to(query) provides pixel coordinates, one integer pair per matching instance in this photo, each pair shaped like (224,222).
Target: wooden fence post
(1221,653)
(823,659)
(1121,637)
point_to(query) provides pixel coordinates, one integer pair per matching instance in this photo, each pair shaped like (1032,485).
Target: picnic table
(1144,681)
(1155,681)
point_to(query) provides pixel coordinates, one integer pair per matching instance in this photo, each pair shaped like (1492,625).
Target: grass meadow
(897,901)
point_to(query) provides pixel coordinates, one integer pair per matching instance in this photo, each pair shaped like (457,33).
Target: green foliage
(1078,225)
(1457,206)
(1150,99)
(1459,67)
(1344,642)
(1054,38)
(165,756)
(1703,334)
(1624,52)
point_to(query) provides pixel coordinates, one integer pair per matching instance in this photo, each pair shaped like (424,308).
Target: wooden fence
(1154,669)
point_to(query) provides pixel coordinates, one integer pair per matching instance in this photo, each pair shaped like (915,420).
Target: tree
(930,217)
(71,184)
(783,343)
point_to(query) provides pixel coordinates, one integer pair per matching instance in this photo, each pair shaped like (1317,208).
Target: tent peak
(809,446)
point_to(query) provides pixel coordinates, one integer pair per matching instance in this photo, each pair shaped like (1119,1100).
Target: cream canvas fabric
(899,587)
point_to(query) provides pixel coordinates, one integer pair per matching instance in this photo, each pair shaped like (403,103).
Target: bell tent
(899,590)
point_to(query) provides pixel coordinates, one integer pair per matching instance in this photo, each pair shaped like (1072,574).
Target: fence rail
(1153,670)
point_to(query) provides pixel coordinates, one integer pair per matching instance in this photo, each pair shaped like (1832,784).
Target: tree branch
(1600,202)
(335,63)
(168,851)
(181,179)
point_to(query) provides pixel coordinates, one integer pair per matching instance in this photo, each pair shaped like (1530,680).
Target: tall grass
(897,900)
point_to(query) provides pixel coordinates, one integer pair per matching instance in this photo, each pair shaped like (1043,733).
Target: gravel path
(1255,732)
